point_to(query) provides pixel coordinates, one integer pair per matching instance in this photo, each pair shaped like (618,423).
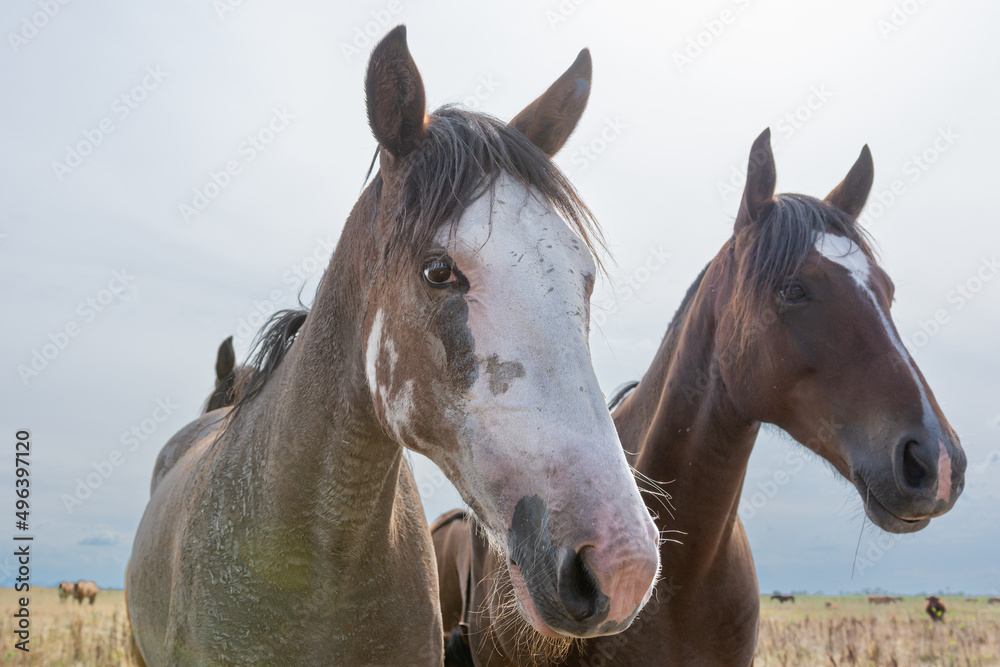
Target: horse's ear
(225,362)
(761,179)
(852,193)
(394,95)
(550,119)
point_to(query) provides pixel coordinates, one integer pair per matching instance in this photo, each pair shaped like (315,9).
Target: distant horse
(65,590)
(788,325)
(935,608)
(973,599)
(452,320)
(881,599)
(993,600)
(227,376)
(85,590)
(832,605)
(783,598)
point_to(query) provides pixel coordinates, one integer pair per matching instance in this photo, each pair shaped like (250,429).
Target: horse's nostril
(914,470)
(579,589)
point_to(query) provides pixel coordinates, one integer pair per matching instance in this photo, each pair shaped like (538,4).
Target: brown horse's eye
(792,293)
(439,274)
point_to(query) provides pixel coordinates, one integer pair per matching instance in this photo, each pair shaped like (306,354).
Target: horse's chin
(527,607)
(882,517)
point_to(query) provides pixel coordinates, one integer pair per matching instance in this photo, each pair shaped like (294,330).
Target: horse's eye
(792,293)
(438,274)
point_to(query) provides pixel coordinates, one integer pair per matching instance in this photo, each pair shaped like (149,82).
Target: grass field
(805,633)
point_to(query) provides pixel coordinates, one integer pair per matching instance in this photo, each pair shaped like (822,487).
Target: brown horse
(783,598)
(935,608)
(85,590)
(227,376)
(228,379)
(65,590)
(452,320)
(789,325)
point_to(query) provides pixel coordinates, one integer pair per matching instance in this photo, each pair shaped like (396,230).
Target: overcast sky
(116,114)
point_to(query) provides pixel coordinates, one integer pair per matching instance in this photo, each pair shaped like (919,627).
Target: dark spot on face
(502,373)
(451,324)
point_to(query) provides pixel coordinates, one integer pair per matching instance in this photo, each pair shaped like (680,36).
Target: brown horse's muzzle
(927,477)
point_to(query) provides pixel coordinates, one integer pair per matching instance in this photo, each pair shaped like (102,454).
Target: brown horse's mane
(459,160)
(773,249)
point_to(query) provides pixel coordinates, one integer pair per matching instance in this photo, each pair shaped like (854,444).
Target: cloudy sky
(120,282)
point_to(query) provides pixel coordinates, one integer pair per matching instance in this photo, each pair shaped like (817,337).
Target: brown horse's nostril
(919,470)
(579,590)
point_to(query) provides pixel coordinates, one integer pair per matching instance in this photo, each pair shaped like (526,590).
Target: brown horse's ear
(225,362)
(394,95)
(550,119)
(761,179)
(852,193)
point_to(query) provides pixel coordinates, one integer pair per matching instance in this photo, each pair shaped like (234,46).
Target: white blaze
(841,250)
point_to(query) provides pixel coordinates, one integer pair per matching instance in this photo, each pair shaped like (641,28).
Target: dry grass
(856,633)
(804,634)
(67,633)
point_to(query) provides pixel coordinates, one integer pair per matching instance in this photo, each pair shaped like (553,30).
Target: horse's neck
(313,432)
(684,429)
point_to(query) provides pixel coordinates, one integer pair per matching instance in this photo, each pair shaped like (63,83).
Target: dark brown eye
(438,274)
(791,293)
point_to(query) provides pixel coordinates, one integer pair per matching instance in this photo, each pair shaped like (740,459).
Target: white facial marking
(944,473)
(841,250)
(398,409)
(372,350)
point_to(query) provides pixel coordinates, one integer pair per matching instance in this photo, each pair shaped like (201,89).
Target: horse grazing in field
(832,605)
(935,608)
(881,599)
(788,325)
(85,590)
(65,590)
(453,320)
(993,600)
(783,598)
